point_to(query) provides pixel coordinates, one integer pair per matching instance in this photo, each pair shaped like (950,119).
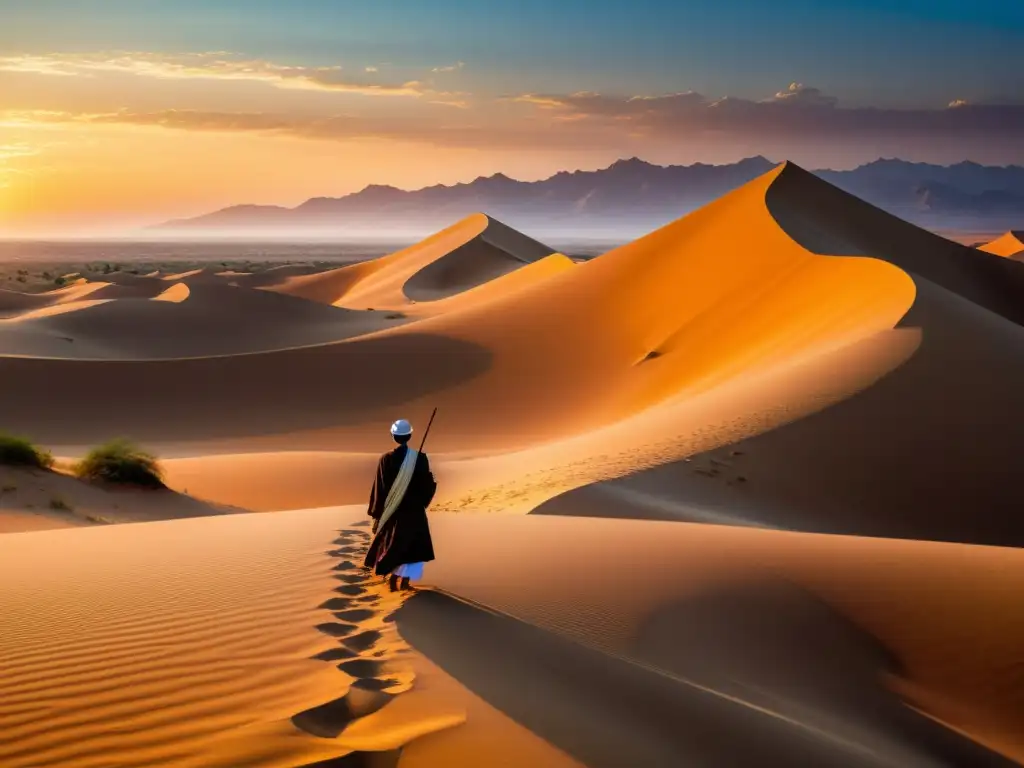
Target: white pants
(409,571)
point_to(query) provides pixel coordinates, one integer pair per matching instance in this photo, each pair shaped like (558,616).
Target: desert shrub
(20,452)
(121,461)
(58,504)
(59,281)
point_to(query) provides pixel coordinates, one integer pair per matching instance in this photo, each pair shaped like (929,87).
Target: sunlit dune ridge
(1010,245)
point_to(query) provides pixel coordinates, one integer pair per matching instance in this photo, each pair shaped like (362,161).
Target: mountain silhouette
(632,195)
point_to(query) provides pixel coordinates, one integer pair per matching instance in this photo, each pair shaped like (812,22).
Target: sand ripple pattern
(192,643)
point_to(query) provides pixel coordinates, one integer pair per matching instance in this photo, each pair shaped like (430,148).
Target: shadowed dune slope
(931,451)
(185,321)
(496,251)
(242,398)
(1010,245)
(824,219)
(270,276)
(14,303)
(798,644)
(467,254)
(502,287)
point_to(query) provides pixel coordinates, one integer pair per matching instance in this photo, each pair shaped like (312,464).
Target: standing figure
(401,493)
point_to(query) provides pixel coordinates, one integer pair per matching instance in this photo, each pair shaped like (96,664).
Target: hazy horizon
(388,231)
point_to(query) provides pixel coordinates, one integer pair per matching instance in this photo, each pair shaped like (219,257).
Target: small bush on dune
(19,452)
(121,461)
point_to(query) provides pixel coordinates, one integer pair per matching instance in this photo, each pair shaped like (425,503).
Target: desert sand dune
(194,643)
(33,499)
(267,646)
(501,287)
(824,219)
(1009,245)
(243,400)
(324,287)
(192,275)
(272,275)
(270,481)
(467,254)
(927,452)
(125,285)
(820,634)
(176,294)
(497,251)
(194,321)
(14,303)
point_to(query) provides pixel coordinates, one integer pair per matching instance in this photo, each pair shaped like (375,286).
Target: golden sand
(1009,245)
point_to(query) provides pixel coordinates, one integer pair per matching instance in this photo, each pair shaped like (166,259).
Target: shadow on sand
(783,681)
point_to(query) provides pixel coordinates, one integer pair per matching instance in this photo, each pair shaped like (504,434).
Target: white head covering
(401,428)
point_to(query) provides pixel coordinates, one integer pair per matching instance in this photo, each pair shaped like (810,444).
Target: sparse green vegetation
(58,504)
(21,452)
(121,461)
(59,281)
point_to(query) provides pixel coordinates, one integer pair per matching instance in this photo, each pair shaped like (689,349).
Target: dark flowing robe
(405,537)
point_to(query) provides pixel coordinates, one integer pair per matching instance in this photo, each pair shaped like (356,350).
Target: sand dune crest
(1009,245)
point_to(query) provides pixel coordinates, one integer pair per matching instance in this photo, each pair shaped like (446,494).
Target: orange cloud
(468,133)
(216,65)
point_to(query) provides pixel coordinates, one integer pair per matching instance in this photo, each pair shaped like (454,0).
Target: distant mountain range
(631,197)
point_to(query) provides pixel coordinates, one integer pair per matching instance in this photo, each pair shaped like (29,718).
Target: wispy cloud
(215,65)
(467,132)
(450,67)
(12,151)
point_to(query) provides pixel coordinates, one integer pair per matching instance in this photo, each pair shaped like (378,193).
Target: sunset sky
(121,113)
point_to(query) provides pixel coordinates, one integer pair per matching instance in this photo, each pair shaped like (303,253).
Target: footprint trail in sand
(370,652)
